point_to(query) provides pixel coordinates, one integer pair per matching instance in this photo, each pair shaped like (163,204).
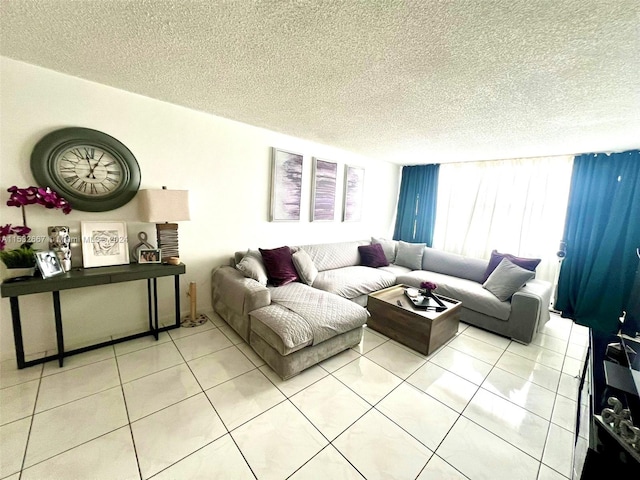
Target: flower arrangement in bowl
(427,288)
(23,257)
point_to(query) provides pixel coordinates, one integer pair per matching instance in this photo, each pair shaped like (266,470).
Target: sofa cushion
(496,258)
(327,256)
(453,264)
(279,265)
(351,282)
(305,267)
(507,279)
(300,315)
(395,269)
(251,266)
(469,292)
(410,255)
(389,247)
(283,329)
(372,255)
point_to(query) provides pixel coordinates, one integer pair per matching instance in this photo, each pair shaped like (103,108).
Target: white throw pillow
(388,247)
(410,255)
(305,267)
(507,279)
(252,267)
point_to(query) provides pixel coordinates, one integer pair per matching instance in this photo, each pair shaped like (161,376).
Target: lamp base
(188,322)
(167,240)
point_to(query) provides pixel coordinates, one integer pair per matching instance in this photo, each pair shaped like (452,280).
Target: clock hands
(91,169)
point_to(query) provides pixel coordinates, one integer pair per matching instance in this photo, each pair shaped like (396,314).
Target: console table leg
(150,310)
(59,335)
(155,307)
(17,331)
(176,284)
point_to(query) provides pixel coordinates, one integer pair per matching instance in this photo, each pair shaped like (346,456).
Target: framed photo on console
(150,255)
(48,264)
(104,244)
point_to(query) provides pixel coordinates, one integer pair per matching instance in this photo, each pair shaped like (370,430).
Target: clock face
(89,170)
(93,171)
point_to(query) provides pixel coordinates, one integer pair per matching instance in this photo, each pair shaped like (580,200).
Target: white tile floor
(200,404)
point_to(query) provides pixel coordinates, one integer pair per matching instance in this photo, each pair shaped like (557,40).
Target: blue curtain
(602,232)
(416,215)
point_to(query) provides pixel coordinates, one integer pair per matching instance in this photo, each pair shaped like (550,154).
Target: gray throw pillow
(252,267)
(410,255)
(388,247)
(307,270)
(507,279)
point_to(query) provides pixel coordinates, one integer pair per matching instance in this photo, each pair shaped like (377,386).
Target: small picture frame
(150,255)
(48,264)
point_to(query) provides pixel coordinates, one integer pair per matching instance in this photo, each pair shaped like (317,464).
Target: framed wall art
(104,244)
(286,186)
(323,196)
(353,193)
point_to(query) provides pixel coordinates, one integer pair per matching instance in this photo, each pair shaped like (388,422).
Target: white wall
(225,165)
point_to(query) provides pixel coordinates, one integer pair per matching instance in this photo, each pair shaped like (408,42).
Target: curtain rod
(608,152)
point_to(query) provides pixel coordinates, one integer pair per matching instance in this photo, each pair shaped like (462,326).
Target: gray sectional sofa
(297,325)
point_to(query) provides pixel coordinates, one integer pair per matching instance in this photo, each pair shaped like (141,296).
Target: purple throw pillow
(372,256)
(496,257)
(279,265)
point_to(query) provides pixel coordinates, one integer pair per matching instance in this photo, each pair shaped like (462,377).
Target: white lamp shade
(159,206)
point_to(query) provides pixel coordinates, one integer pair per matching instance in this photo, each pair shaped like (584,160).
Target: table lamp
(161,207)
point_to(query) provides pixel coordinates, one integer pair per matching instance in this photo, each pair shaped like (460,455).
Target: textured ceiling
(402,81)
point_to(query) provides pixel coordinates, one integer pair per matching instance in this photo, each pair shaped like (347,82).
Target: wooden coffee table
(422,330)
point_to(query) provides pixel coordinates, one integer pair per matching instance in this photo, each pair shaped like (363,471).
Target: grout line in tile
(126,408)
(443,460)
(32,417)
(71,448)
(512,403)
(392,373)
(69,369)
(507,441)
(329,445)
(103,389)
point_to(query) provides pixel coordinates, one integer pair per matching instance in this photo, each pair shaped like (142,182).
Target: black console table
(598,449)
(87,278)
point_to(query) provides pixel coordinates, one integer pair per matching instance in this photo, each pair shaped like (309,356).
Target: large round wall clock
(93,171)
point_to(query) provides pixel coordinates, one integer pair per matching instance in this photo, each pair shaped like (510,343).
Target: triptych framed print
(286,189)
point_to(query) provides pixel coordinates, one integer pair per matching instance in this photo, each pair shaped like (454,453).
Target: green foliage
(23,257)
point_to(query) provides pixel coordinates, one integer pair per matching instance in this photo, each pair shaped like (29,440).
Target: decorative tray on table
(424,302)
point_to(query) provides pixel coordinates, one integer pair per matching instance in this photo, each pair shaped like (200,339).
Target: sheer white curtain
(514,206)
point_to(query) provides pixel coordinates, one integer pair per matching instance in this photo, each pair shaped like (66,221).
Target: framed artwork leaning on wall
(104,244)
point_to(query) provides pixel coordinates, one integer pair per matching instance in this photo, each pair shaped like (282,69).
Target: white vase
(60,242)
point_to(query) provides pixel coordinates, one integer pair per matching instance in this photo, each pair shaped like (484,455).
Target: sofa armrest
(530,307)
(240,294)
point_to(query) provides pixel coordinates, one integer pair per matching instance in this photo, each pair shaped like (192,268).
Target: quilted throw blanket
(326,314)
